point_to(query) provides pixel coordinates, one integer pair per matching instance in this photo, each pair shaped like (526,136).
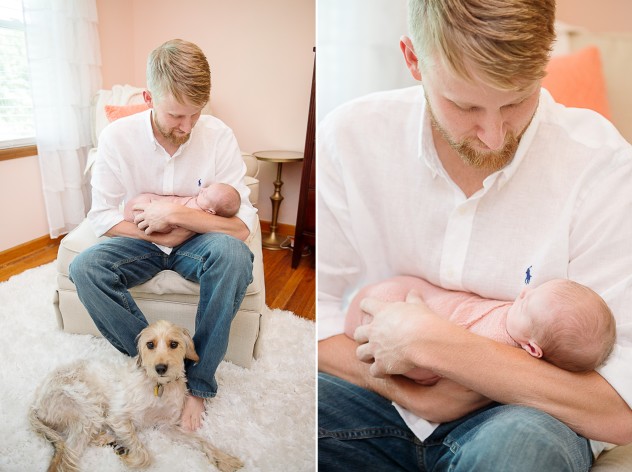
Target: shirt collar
(525,143)
(149,130)
(426,149)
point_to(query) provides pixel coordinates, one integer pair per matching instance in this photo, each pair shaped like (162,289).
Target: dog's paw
(225,462)
(137,459)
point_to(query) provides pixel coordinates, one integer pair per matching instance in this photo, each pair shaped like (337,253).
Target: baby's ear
(533,349)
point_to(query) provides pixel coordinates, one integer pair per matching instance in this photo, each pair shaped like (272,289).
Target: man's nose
(492,131)
(186,125)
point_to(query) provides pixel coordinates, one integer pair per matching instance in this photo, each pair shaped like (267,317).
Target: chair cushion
(165,283)
(114,112)
(577,80)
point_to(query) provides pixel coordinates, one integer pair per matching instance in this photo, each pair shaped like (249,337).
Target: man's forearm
(130,230)
(201,222)
(445,401)
(127,229)
(584,401)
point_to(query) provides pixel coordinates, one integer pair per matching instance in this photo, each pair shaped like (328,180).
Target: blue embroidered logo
(527,275)
(199,182)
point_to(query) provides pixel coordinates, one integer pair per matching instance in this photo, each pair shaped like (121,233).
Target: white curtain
(358,49)
(65,65)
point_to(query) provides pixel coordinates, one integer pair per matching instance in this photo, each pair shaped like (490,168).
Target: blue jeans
(359,430)
(221,264)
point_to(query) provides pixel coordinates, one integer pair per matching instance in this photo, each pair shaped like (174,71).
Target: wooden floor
(286,288)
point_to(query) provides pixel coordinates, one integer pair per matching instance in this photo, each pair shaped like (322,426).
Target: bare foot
(192,412)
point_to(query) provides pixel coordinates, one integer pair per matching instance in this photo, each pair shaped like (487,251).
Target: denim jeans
(359,430)
(221,264)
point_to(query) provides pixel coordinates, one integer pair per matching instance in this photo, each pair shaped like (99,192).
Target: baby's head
(219,199)
(565,323)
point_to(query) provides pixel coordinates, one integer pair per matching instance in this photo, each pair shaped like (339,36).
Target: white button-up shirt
(130,161)
(561,209)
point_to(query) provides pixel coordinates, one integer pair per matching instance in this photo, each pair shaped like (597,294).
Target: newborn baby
(218,199)
(560,321)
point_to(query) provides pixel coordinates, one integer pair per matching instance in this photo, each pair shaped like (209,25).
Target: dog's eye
(173,344)
(150,345)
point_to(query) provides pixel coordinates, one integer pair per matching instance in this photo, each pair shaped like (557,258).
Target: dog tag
(158,389)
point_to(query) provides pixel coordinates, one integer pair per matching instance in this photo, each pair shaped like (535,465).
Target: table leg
(271,240)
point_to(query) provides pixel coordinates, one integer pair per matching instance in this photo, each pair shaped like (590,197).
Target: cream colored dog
(93,403)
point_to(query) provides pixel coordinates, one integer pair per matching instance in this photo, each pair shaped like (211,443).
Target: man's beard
(170,135)
(486,160)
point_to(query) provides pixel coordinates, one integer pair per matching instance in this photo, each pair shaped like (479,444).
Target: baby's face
(533,305)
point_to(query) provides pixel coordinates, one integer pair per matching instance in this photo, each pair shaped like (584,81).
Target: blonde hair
(581,332)
(507,42)
(179,68)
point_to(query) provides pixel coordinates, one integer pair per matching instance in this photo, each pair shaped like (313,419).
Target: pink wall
(603,16)
(261,60)
(22,213)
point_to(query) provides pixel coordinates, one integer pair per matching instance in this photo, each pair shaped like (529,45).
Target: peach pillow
(577,80)
(114,112)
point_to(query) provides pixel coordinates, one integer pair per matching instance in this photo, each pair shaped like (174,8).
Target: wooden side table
(271,240)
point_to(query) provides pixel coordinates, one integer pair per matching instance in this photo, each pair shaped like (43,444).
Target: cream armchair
(167,295)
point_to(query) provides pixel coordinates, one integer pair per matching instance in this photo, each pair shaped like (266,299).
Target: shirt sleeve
(339,264)
(601,257)
(108,191)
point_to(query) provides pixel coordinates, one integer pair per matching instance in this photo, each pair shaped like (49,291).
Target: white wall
(358,50)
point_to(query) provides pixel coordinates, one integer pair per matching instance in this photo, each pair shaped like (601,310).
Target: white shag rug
(264,415)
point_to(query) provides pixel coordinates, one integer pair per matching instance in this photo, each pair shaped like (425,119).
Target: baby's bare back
(129,211)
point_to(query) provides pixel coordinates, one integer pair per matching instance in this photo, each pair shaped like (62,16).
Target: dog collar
(160,388)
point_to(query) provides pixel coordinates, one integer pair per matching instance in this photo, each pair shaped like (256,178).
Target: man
(171,150)
(468,181)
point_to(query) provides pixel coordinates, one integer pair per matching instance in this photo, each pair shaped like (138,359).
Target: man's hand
(391,337)
(153,217)
(445,401)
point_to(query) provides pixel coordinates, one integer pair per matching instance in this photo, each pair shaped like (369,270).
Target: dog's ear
(190,347)
(139,359)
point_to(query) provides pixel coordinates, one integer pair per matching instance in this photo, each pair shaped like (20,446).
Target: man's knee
(80,266)
(230,252)
(514,436)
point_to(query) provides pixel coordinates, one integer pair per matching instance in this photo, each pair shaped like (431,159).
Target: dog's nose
(161,369)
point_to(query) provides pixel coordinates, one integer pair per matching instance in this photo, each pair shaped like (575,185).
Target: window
(16,106)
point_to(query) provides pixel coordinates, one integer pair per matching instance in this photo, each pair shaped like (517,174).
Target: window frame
(20,147)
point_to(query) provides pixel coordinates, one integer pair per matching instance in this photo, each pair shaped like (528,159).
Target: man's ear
(406,45)
(148,99)
(533,349)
